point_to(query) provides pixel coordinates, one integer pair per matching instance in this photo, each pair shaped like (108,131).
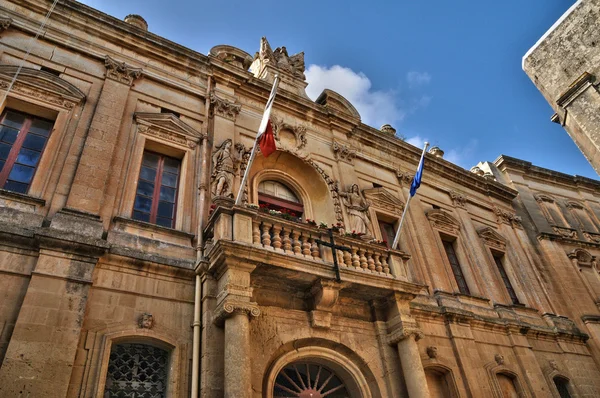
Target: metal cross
(333,247)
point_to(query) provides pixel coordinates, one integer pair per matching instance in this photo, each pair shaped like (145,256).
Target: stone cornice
(507,163)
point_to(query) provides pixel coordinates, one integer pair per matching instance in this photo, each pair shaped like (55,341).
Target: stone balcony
(294,249)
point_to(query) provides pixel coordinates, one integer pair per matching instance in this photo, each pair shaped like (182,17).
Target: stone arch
(286,179)
(553,371)
(438,366)
(312,183)
(500,368)
(42,85)
(582,256)
(344,362)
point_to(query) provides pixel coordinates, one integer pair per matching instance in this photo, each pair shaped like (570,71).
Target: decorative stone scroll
(224,108)
(231,307)
(565,232)
(404,178)
(492,238)
(441,220)
(120,71)
(591,237)
(343,152)
(509,218)
(290,138)
(4,23)
(458,199)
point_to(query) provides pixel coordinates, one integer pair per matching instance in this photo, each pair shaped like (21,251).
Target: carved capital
(224,108)
(458,199)
(4,23)
(404,178)
(120,71)
(403,333)
(343,152)
(509,218)
(230,307)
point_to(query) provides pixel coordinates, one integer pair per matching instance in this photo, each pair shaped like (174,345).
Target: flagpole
(397,238)
(261,130)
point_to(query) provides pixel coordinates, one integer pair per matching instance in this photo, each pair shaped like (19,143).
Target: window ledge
(22,198)
(153,231)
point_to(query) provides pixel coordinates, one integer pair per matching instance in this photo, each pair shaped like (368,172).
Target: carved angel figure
(357,207)
(224,162)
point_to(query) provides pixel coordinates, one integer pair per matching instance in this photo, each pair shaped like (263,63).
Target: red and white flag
(264,139)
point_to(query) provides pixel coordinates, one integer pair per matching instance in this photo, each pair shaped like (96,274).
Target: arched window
(437,383)
(274,195)
(562,385)
(309,380)
(136,370)
(507,386)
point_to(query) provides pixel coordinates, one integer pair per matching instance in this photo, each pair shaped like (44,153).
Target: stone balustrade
(301,240)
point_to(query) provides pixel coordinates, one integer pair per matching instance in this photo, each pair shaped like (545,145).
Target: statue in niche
(358,208)
(225,162)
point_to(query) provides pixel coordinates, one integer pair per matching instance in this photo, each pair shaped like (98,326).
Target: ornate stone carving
(492,238)
(574,205)
(436,151)
(404,178)
(225,163)
(4,23)
(388,129)
(553,364)
(280,131)
(509,218)
(229,307)
(383,199)
(499,358)
(146,321)
(432,352)
(280,59)
(168,127)
(232,55)
(458,199)
(403,333)
(324,294)
(441,220)
(543,198)
(224,108)
(591,237)
(565,232)
(478,171)
(120,71)
(343,152)
(357,208)
(333,190)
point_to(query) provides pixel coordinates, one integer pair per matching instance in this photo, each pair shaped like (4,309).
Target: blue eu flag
(416,183)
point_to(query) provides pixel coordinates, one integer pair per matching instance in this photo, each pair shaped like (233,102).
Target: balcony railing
(301,240)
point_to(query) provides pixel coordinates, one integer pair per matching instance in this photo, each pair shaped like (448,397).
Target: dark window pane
(8,134)
(28,157)
(151,160)
(41,127)
(21,173)
(456,268)
(169,179)
(167,194)
(1,164)
(165,209)
(16,186)
(172,165)
(165,222)
(14,119)
(142,204)
(33,141)
(4,150)
(506,280)
(147,174)
(137,215)
(145,188)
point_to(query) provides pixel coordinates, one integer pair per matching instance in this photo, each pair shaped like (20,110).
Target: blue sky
(446,71)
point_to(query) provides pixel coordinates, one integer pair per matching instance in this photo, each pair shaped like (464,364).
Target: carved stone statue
(280,59)
(146,321)
(358,208)
(224,162)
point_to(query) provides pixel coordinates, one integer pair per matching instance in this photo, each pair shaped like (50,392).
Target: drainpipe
(203,189)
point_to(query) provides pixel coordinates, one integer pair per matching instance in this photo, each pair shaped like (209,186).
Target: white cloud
(376,107)
(459,156)
(417,141)
(416,79)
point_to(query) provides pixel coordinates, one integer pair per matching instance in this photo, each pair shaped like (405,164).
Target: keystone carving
(230,307)
(343,152)
(224,108)
(146,321)
(432,352)
(4,24)
(458,199)
(499,358)
(120,71)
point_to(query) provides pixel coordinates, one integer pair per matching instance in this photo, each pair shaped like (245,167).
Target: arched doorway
(309,380)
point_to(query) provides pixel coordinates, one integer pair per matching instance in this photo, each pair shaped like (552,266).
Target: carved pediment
(384,199)
(540,197)
(169,127)
(492,238)
(583,257)
(335,101)
(41,84)
(441,220)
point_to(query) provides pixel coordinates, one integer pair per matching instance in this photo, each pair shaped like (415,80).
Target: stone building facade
(564,65)
(126,270)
